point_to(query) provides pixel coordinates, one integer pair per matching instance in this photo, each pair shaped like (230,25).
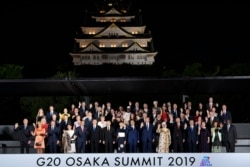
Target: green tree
(69,74)
(30,105)
(239,69)
(11,71)
(193,70)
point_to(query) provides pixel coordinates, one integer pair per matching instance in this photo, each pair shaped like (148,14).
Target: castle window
(134,32)
(124,45)
(103,20)
(83,45)
(113,20)
(102,45)
(91,32)
(113,45)
(143,45)
(124,11)
(123,20)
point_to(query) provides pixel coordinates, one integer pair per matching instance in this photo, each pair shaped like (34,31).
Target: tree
(11,71)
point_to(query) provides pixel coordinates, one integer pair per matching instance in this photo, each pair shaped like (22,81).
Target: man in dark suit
(225,114)
(81,133)
(95,137)
(54,137)
(192,136)
(229,136)
(108,138)
(175,111)
(178,136)
(50,113)
(147,136)
(210,104)
(132,137)
(64,123)
(25,135)
(212,119)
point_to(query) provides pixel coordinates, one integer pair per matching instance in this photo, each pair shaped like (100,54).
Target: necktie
(94,128)
(147,126)
(25,127)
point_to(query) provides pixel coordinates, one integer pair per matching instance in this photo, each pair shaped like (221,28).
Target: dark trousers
(81,147)
(95,145)
(147,146)
(230,147)
(109,147)
(178,145)
(192,146)
(53,147)
(24,145)
(132,147)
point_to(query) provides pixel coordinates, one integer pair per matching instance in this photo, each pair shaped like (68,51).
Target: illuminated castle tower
(113,34)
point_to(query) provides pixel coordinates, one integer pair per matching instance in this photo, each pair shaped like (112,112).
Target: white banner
(127,160)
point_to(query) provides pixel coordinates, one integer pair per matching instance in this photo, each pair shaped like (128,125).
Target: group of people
(95,128)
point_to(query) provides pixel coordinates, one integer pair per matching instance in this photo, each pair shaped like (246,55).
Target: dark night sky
(214,33)
(211,32)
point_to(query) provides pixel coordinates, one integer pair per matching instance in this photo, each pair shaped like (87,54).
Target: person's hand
(159,125)
(16,125)
(185,126)
(142,124)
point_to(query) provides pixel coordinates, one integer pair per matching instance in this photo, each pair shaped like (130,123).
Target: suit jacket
(231,134)
(208,107)
(64,124)
(25,133)
(175,113)
(178,133)
(225,117)
(133,135)
(97,116)
(108,136)
(192,135)
(81,135)
(147,134)
(95,135)
(53,135)
(49,117)
(211,124)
